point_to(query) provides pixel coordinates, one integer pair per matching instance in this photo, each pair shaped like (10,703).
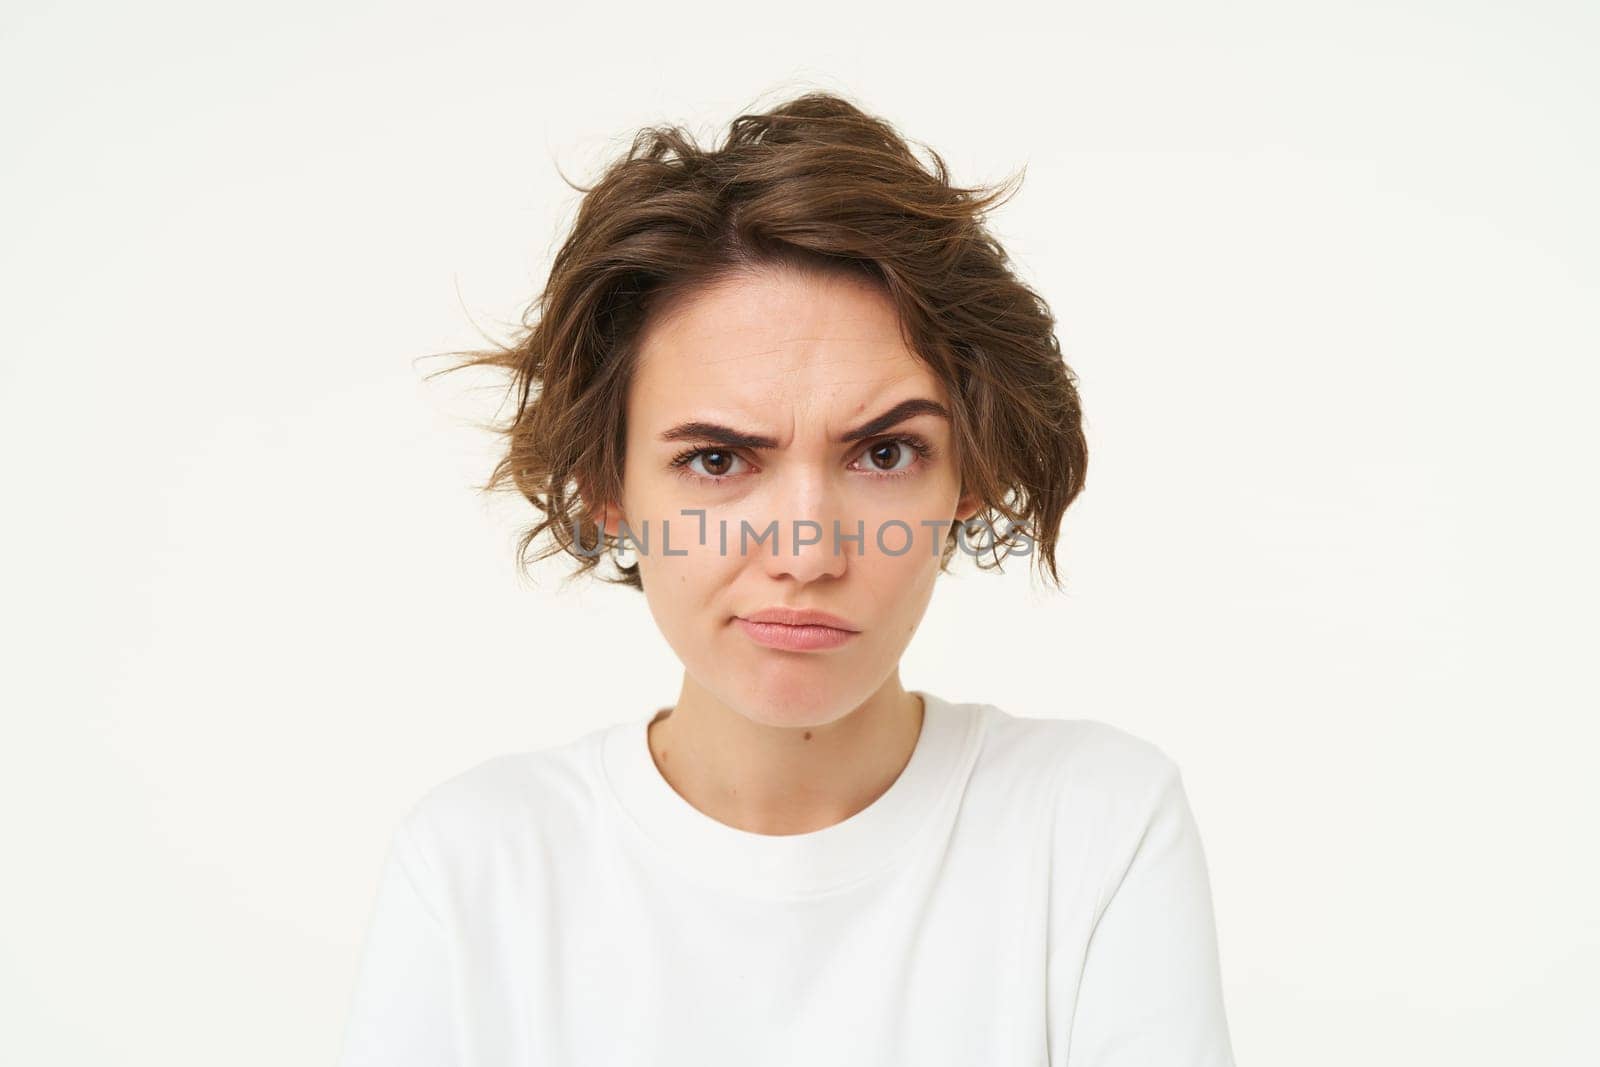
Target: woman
(785,381)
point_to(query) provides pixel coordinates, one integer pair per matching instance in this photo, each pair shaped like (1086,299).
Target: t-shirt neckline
(790,865)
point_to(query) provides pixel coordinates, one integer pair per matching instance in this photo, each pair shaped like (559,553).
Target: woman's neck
(784,779)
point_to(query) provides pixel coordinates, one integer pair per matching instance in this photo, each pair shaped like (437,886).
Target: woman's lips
(794,638)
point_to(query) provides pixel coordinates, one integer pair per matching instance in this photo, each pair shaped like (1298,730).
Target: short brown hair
(816,183)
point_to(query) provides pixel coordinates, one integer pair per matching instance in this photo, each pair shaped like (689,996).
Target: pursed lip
(800,617)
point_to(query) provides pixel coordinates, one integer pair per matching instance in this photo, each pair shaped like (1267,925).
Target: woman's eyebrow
(728,437)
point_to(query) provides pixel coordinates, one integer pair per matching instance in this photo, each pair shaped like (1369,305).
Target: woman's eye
(889,456)
(714,463)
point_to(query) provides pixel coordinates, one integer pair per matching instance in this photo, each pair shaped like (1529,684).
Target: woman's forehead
(777,409)
(829,378)
(776,349)
(752,334)
(750,313)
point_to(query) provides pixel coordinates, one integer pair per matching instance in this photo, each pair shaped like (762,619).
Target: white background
(1327,273)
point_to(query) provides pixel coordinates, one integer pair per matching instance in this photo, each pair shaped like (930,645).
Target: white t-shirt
(1026,892)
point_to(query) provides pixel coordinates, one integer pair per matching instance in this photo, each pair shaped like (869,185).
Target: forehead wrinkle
(749,414)
(866,343)
(813,360)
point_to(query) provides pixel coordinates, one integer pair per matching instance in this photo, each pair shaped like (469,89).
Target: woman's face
(787,364)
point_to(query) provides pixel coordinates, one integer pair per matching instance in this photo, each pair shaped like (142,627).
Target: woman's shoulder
(1100,787)
(547,791)
(1080,759)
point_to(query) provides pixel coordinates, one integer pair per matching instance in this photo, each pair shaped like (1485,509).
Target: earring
(623,553)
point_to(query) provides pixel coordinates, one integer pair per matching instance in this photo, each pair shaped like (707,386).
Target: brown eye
(886,455)
(706,464)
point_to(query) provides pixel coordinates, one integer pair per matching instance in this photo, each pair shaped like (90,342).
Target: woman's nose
(807,534)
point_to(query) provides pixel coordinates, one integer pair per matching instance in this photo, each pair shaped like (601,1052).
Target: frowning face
(760,402)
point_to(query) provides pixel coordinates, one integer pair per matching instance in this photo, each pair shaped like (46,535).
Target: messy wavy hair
(815,183)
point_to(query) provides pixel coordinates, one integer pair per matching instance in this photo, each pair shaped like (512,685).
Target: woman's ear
(968,506)
(606,514)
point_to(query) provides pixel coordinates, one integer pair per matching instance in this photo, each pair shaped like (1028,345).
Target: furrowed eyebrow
(895,415)
(728,437)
